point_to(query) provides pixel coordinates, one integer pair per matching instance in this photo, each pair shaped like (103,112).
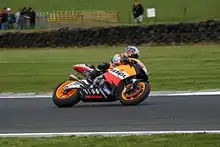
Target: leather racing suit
(117,60)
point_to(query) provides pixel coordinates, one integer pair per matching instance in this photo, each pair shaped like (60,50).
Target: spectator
(32,16)
(138,11)
(21,20)
(26,18)
(11,18)
(17,16)
(1,11)
(4,19)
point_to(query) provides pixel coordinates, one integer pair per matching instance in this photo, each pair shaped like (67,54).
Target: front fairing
(141,64)
(115,75)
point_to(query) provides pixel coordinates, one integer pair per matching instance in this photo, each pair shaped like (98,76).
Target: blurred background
(42,14)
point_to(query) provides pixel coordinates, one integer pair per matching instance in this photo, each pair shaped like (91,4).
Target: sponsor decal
(118,73)
(93,97)
(106,90)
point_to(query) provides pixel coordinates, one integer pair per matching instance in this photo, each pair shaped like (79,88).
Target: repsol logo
(118,73)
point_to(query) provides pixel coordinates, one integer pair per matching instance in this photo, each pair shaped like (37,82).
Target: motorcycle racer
(127,82)
(118,59)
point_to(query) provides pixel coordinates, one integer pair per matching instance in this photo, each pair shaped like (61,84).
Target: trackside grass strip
(189,140)
(169,10)
(170,68)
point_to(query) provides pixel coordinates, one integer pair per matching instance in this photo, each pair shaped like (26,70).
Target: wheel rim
(136,93)
(61,95)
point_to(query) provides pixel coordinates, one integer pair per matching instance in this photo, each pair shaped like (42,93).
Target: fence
(59,18)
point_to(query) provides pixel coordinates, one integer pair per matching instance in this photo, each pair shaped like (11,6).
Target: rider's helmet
(132,52)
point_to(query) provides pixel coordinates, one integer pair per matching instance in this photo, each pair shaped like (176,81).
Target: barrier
(79,16)
(160,34)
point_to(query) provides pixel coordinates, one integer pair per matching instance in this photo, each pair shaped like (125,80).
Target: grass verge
(170,68)
(181,140)
(169,10)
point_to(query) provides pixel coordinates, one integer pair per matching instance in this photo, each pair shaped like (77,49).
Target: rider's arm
(116,59)
(125,59)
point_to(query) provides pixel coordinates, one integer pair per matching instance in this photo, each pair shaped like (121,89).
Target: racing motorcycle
(125,83)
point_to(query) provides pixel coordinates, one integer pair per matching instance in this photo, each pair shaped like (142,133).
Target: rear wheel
(68,99)
(135,96)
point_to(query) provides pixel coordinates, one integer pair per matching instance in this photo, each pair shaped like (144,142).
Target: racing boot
(92,76)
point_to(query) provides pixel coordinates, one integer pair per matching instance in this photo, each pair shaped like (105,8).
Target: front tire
(69,99)
(136,99)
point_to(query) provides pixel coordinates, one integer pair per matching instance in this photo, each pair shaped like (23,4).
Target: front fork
(133,84)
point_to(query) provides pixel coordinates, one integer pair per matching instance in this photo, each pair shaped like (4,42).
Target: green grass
(167,10)
(195,140)
(170,68)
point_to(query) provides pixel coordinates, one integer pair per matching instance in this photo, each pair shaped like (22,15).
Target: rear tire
(70,99)
(137,100)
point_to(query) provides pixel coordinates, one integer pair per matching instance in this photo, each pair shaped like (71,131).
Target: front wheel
(68,99)
(134,96)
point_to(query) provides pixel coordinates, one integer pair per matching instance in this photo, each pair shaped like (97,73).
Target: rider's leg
(100,68)
(92,75)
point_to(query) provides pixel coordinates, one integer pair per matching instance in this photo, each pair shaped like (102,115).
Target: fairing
(82,68)
(141,65)
(119,73)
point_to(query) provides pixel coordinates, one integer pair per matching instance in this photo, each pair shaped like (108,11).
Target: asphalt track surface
(155,114)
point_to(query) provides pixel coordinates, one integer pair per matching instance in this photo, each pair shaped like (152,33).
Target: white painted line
(26,97)
(152,94)
(106,133)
